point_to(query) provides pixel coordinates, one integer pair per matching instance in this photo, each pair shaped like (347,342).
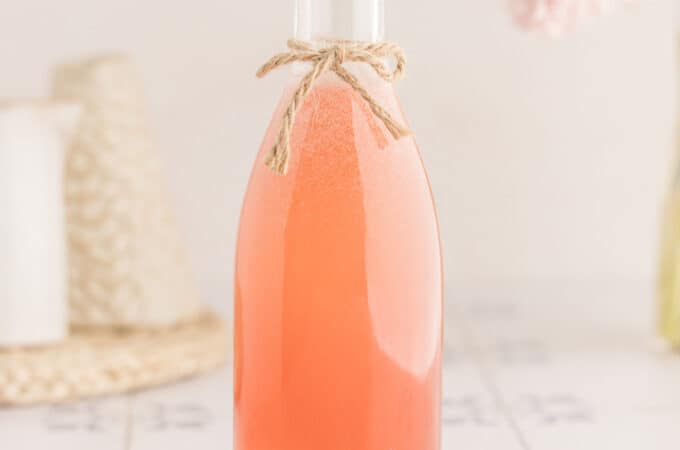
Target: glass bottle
(338,283)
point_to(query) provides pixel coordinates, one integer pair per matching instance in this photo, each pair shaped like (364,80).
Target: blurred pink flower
(556,16)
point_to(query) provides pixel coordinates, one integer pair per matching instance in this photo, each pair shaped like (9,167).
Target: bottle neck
(358,20)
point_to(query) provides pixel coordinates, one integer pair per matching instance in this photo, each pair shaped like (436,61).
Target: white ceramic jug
(33,304)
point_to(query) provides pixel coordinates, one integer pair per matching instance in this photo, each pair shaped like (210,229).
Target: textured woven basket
(127,264)
(99,361)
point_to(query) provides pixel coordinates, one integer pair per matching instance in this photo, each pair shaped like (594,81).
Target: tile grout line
(471,342)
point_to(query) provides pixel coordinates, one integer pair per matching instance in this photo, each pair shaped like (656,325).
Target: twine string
(331,58)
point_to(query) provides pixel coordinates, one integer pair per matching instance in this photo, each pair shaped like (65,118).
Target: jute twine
(331,57)
(103,361)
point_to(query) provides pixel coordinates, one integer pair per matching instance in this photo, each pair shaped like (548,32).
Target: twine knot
(339,53)
(331,57)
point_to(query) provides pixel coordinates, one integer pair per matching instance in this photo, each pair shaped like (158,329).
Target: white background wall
(548,157)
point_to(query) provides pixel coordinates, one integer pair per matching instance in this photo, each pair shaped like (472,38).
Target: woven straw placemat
(95,361)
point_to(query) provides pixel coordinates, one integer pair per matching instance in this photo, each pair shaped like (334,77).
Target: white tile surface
(193,415)
(97,425)
(535,369)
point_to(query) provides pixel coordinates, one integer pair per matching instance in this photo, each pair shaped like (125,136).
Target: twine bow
(330,58)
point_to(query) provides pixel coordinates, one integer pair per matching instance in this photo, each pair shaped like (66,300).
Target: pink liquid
(338,288)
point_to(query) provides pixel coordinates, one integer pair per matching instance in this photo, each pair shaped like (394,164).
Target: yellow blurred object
(669,270)
(669,273)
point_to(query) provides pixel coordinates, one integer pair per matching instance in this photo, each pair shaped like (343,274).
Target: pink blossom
(556,16)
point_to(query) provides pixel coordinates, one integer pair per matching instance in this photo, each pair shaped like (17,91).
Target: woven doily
(94,362)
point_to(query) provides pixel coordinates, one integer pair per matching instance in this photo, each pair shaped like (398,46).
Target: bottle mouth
(355,20)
